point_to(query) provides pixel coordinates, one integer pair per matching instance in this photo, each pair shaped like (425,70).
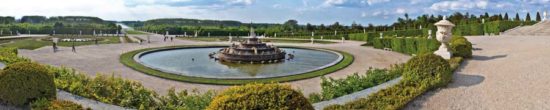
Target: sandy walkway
(104,59)
(507,72)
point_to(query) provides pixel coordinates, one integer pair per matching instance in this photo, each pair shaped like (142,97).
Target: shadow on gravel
(486,58)
(459,80)
(477,49)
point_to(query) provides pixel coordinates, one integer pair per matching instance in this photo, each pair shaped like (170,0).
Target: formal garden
(30,84)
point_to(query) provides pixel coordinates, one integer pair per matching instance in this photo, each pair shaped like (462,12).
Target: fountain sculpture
(252,50)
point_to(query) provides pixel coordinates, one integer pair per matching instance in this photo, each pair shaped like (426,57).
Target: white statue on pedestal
(381,35)
(343,39)
(444,35)
(230,38)
(312,40)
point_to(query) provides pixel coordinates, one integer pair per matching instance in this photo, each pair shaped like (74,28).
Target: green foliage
(108,89)
(461,47)
(126,93)
(61,24)
(421,73)
(9,55)
(185,101)
(455,62)
(410,45)
(333,88)
(46,104)
(429,70)
(23,82)
(260,97)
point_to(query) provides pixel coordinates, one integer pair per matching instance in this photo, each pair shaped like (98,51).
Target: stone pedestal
(443,52)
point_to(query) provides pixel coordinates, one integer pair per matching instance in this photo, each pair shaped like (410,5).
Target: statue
(312,40)
(430,34)
(443,35)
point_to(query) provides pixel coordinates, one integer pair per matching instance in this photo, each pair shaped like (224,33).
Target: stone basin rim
(137,57)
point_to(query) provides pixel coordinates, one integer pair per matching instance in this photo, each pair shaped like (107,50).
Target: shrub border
(128,60)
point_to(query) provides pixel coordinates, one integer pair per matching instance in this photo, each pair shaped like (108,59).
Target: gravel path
(356,95)
(95,59)
(506,72)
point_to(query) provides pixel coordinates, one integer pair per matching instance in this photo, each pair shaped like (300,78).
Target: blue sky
(268,11)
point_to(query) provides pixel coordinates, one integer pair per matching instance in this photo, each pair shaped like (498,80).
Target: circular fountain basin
(195,62)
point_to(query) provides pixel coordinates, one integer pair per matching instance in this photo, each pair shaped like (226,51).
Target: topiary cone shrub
(461,47)
(428,70)
(23,82)
(260,97)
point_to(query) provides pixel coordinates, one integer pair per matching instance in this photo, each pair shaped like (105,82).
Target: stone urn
(443,35)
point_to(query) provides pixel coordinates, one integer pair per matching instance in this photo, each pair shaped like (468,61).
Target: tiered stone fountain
(252,50)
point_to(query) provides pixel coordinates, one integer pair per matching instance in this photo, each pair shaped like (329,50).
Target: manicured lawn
(128,60)
(34,43)
(134,32)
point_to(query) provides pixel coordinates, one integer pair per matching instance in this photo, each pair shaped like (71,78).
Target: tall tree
(309,27)
(290,25)
(517,17)
(506,17)
(538,17)
(528,17)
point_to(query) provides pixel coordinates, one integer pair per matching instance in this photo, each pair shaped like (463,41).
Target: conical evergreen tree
(506,17)
(528,17)
(517,17)
(538,17)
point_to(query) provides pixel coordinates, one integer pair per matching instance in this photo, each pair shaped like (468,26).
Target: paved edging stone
(87,103)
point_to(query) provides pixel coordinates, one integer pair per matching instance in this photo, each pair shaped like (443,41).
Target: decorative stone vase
(443,35)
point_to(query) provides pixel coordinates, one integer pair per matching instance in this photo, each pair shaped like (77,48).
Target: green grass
(35,43)
(128,60)
(134,32)
(30,44)
(275,40)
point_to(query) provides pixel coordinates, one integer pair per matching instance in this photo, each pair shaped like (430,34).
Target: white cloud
(239,2)
(370,2)
(352,3)
(459,5)
(400,11)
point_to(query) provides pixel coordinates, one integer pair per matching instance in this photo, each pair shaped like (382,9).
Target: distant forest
(61,24)
(291,27)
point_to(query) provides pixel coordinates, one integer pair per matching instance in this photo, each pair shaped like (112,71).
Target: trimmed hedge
(24,82)
(428,69)
(260,97)
(333,88)
(410,45)
(461,47)
(421,73)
